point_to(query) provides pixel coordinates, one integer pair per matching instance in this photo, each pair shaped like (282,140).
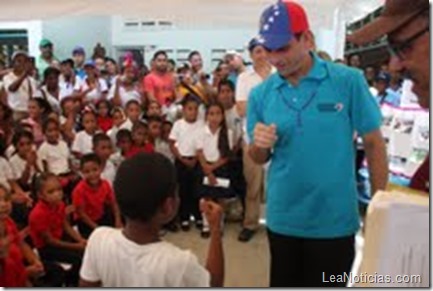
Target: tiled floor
(247,264)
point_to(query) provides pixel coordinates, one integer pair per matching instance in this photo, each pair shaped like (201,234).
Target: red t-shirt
(161,86)
(147,148)
(91,199)
(13,270)
(421,179)
(105,123)
(45,217)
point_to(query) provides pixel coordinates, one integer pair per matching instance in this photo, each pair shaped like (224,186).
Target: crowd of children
(61,177)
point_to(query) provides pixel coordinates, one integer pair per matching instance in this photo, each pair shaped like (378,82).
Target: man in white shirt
(254,173)
(19,85)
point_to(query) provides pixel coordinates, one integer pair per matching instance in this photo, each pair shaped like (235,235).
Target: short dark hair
(190,98)
(192,54)
(151,119)
(167,122)
(123,134)
(42,179)
(21,134)
(158,53)
(142,184)
(132,101)
(139,124)
(69,62)
(51,71)
(48,122)
(100,137)
(90,158)
(108,59)
(227,83)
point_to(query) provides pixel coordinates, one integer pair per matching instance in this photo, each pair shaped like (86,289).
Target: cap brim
(378,28)
(274,42)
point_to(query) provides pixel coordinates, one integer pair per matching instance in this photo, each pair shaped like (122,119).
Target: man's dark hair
(69,62)
(142,184)
(192,54)
(100,137)
(90,158)
(158,53)
(51,71)
(227,83)
(124,134)
(151,119)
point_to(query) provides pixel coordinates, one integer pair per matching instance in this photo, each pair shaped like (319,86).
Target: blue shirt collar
(318,72)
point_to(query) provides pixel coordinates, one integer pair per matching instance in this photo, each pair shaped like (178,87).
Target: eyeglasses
(400,48)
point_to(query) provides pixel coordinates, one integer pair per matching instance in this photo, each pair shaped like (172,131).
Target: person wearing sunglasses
(406,26)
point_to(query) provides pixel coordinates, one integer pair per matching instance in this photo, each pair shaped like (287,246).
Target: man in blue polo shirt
(303,120)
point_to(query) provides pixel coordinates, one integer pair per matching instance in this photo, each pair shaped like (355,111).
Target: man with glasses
(302,119)
(406,25)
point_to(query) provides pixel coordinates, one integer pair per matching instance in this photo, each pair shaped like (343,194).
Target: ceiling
(187,13)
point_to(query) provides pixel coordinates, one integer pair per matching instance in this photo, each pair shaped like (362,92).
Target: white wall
(34,32)
(68,32)
(203,40)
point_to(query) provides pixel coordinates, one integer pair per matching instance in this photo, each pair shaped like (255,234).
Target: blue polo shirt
(311,190)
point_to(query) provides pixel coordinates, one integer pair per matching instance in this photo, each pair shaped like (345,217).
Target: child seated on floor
(140,138)
(93,198)
(19,265)
(50,230)
(103,148)
(124,145)
(145,188)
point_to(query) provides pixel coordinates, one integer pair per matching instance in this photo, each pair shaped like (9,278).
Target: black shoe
(246,235)
(205,233)
(185,225)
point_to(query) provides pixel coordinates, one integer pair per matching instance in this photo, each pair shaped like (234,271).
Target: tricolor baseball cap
(280,23)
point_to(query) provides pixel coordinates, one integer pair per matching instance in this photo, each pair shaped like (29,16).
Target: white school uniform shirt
(18,166)
(19,100)
(6,173)
(66,88)
(116,261)
(54,102)
(95,94)
(125,95)
(57,157)
(208,142)
(114,130)
(116,159)
(245,83)
(109,172)
(163,147)
(83,143)
(184,134)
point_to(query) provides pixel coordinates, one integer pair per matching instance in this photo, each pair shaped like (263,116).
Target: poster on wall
(407,133)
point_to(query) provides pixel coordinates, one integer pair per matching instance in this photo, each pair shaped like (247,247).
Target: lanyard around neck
(300,110)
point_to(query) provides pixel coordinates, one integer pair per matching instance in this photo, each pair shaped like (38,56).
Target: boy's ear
(168,209)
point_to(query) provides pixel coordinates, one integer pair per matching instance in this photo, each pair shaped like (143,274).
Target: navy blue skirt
(213,192)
